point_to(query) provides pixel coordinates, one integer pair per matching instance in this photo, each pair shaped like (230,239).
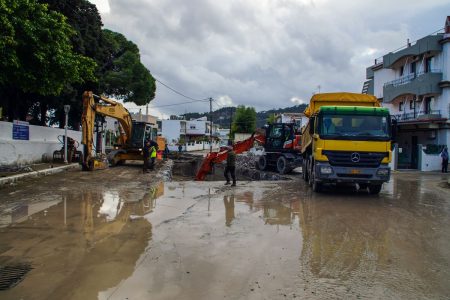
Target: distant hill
(222,116)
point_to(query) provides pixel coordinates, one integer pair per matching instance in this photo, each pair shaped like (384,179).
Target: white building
(193,134)
(414,83)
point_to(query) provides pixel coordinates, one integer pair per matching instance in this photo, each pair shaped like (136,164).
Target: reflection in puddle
(111,205)
(90,235)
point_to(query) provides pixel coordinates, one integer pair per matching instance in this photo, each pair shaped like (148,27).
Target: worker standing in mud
(146,156)
(231,166)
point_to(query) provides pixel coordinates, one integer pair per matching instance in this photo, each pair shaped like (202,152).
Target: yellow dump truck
(347,140)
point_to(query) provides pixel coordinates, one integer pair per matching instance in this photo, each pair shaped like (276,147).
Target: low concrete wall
(42,142)
(194,146)
(429,162)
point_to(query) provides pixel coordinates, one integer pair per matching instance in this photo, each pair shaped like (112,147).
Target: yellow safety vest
(153,152)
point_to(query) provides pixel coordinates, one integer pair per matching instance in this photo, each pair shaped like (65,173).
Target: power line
(177,92)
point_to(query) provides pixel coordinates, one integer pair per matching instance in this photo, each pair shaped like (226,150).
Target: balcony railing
(422,115)
(409,78)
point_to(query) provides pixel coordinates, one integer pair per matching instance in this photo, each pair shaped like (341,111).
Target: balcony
(427,44)
(419,116)
(412,84)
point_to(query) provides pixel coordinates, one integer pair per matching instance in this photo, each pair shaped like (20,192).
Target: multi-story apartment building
(414,83)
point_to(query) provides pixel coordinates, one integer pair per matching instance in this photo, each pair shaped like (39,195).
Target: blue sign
(20,132)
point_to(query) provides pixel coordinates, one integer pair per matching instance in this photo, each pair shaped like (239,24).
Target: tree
(36,55)
(271,119)
(244,120)
(125,77)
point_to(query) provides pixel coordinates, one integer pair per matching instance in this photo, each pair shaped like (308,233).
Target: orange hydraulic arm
(217,157)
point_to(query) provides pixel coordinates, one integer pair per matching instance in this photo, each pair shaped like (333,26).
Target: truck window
(354,126)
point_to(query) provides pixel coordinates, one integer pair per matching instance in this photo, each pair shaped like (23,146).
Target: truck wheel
(282,165)
(375,189)
(262,163)
(310,171)
(316,186)
(305,174)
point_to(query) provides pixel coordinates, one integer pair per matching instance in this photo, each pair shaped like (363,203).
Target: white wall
(430,162)
(380,78)
(43,141)
(196,127)
(170,129)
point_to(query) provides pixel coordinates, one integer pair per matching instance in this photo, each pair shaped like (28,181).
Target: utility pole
(231,123)
(211,124)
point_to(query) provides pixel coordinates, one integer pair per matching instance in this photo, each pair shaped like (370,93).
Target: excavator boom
(217,157)
(104,107)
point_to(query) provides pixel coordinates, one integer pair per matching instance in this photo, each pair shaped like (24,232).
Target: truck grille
(355,158)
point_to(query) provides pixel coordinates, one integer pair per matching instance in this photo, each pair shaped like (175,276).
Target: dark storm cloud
(264,53)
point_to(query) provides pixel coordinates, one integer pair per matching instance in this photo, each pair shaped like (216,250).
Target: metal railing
(410,77)
(415,115)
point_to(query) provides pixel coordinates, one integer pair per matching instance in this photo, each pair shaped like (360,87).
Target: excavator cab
(141,132)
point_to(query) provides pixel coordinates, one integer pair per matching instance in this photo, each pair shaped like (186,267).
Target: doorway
(414,147)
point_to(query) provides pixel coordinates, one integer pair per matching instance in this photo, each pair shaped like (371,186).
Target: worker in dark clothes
(231,166)
(146,155)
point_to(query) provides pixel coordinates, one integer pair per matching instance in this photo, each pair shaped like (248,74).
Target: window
(428,64)
(400,106)
(413,68)
(411,104)
(428,105)
(401,71)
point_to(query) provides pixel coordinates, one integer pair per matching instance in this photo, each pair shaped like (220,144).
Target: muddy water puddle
(202,240)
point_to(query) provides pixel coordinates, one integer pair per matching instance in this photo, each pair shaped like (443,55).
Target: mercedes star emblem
(355,157)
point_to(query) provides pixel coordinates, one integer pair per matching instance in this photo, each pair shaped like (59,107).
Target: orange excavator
(282,148)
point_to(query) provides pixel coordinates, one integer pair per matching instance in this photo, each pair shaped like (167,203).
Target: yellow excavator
(132,134)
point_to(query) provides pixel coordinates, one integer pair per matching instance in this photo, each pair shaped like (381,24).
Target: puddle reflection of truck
(347,141)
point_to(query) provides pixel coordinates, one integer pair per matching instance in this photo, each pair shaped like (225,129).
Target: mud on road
(116,234)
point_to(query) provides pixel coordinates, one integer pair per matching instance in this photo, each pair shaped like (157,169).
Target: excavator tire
(282,165)
(262,163)
(114,157)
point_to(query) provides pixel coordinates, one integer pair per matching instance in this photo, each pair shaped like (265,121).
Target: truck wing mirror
(311,126)
(394,130)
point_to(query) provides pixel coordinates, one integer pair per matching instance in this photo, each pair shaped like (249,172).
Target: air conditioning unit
(432,135)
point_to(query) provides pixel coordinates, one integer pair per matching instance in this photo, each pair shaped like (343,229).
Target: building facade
(193,134)
(414,83)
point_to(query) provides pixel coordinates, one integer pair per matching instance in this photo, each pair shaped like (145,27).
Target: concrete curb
(15,178)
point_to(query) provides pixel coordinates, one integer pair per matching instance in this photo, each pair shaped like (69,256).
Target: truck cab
(348,145)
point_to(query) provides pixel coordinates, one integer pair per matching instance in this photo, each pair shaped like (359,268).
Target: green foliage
(271,119)
(36,51)
(244,120)
(125,76)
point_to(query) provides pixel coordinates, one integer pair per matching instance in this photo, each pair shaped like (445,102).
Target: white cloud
(223,101)
(261,52)
(102,5)
(297,101)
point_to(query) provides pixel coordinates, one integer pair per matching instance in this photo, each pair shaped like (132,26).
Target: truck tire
(282,165)
(375,189)
(305,174)
(262,163)
(313,183)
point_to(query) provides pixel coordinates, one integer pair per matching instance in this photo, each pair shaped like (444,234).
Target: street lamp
(66,112)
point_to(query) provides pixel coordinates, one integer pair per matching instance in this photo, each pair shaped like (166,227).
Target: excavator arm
(92,105)
(217,157)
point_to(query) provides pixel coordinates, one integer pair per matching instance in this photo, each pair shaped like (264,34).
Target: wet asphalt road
(117,235)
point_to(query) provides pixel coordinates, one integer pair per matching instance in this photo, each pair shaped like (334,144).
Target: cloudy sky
(264,53)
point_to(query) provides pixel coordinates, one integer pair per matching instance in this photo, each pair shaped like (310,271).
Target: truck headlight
(383,172)
(326,170)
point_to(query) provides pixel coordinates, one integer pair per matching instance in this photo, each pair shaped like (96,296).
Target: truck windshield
(354,127)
